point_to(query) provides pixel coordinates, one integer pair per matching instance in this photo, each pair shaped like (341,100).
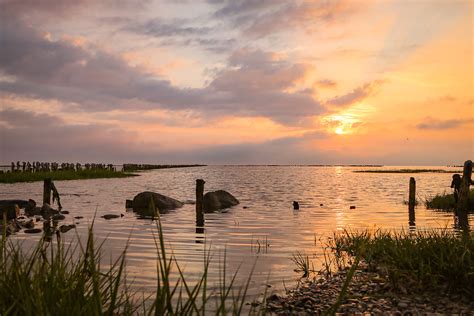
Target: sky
(237,82)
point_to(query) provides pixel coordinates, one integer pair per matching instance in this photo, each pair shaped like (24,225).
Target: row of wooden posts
(463,199)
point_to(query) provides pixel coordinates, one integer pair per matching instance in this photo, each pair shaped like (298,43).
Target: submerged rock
(142,203)
(111,216)
(33,231)
(47,211)
(31,209)
(65,228)
(218,200)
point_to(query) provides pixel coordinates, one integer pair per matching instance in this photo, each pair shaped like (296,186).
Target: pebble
(369,293)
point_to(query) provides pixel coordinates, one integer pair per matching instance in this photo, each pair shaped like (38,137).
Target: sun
(339,131)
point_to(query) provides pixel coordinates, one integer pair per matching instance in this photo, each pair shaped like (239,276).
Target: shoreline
(369,293)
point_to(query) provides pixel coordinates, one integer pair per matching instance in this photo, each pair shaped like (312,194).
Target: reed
(55,279)
(437,260)
(446,202)
(14,177)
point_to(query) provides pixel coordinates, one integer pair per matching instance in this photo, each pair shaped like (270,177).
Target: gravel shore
(369,294)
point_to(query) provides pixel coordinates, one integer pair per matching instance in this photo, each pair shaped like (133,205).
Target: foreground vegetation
(55,279)
(446,202)
(13,177)
(438,261)
(408,171)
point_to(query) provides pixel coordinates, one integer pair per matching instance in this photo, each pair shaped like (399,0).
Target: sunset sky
(237,82)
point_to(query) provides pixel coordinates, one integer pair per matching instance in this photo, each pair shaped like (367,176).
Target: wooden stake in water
(465,184)
(199,202)
(463,201)
(412,194)
(47,191)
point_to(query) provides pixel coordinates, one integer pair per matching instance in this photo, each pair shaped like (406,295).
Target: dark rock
(31,209)
(296,205)
(58,217)
(111,216)
(128,204)
(11,203)
(65,228)
(32,231)
(78,217)
(218,200)
(11,211)
(64,212)
(352,207)
(47,211)
(27,224)
(142,203)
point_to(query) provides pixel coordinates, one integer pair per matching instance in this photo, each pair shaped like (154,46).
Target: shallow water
(262,236)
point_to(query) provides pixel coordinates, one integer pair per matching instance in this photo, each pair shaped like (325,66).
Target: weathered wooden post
(412,202)
(199,202)
(412,194)
(47,191)
(463,201)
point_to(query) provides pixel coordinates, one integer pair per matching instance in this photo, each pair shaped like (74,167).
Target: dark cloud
(253,84)
(434,124)
(156,27)
(31,136)
(358,94)
(327,83)
(262,18)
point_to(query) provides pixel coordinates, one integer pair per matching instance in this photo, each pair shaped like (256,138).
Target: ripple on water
(263,236)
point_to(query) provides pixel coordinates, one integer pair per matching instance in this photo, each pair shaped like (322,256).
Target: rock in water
(31,209)
(111,216)
(218,200)
(65,228)
(142,203)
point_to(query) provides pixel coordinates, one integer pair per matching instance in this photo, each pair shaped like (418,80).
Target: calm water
(266,233)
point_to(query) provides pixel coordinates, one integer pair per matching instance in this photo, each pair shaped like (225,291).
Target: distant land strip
(138,167)
(409,171)
(15,177)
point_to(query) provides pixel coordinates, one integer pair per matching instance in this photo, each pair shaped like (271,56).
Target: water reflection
(264,227)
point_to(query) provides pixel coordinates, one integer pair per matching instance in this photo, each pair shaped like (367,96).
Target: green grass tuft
(13,177)
(55,279)
(446,202)
(416,262)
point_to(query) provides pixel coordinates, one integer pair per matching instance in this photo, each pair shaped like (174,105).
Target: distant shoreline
(409,171)
(59,175)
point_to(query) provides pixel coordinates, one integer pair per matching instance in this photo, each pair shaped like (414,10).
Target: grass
(14,177)
(55,279)
(415,262)
(446,202)
(408,171)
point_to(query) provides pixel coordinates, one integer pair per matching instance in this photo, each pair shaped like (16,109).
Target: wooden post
(412,202)
(463,201)
(412,194)
(199,202)
(47,191)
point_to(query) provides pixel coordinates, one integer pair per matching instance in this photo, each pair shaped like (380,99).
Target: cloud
(327,83)
(30,136)
(262,18)
(434,124)
(356,95)
(254,83)
(34,136)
